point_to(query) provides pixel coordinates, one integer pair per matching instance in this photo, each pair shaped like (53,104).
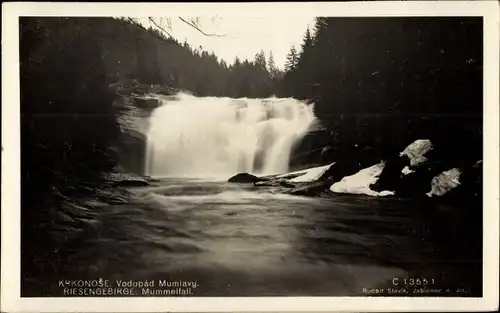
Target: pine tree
(291,59)
(260,59)
(273,70)
(320,25)
(308,41)
(237,62)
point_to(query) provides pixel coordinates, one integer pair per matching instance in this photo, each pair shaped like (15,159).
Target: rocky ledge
(417,171)
(127,180)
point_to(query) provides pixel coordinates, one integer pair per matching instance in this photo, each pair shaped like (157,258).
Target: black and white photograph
(252,153)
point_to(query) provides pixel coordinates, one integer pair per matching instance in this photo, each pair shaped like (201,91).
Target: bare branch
(132,20)
(163,29)
(193,24)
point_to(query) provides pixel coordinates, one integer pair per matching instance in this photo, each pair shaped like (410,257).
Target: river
(237,240)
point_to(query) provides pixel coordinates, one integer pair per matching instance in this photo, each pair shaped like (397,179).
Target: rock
(275,183)
(127,180)
(117,200)
(339,170)
(444,182)
(268,183)
(410,173)
(328,154)
(417,183)
(417,151)
(290,175)
(75,210)
(286,184)
(245,178)
(132,183)
(312,174)
(314,189)
(470,188)
(147,103)
(390,178)
(94,203)
(164,90)
(131,148)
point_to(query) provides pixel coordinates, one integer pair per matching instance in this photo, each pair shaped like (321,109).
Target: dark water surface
(236,240)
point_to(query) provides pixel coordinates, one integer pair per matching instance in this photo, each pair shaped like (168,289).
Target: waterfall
(196,137)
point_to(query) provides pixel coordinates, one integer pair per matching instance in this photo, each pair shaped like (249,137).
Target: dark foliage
(381,83)
(153,57)
(68,126)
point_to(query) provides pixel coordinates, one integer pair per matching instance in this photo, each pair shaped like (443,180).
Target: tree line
(380,83)
(152,56)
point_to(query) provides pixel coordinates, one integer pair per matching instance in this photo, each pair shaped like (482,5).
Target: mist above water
(211,137)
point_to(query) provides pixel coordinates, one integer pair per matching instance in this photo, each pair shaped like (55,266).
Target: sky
(240,36)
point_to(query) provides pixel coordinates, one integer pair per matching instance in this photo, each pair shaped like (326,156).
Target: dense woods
(129,51)
(380,83)
(68,127)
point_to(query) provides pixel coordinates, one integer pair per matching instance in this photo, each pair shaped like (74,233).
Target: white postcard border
(10,257)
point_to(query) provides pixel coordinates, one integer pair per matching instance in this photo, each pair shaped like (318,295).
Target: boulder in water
(444,182)
(417,151)
(245,178)
(463,186)
(410,173)
(340,169)
(390,178)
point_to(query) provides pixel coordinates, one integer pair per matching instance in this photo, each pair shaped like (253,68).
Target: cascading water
(197,137)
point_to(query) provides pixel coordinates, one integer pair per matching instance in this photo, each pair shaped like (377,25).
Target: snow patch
(444,182)
(311,174)
(303,172)
(416,151)
(360,182)
(406,170)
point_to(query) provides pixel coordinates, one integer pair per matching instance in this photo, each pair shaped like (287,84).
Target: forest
(377,85)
